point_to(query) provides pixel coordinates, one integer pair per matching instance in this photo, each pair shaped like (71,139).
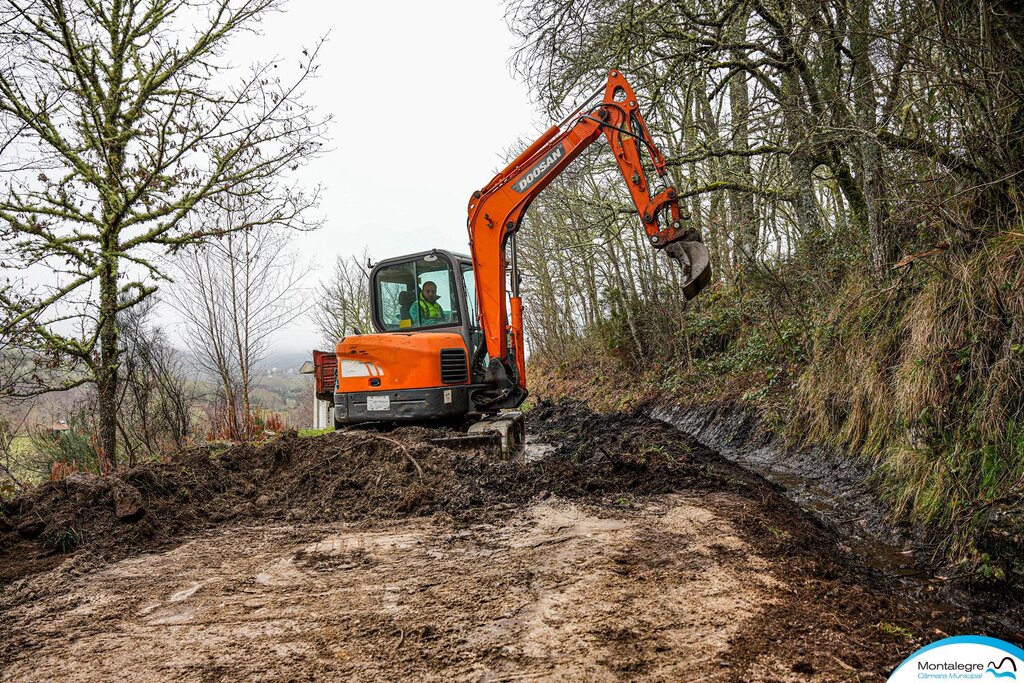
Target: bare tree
(792,130)
(343,302)
(234,295)
(10,480)
(138,121)
(155,403)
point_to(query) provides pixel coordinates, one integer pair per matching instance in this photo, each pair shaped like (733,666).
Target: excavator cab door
(474,332)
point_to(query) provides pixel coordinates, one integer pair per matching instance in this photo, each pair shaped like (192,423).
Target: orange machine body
(394,361)
(414,369)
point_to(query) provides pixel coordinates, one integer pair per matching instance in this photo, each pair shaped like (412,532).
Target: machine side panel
(396,361)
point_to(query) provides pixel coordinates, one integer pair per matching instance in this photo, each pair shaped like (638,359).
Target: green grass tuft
(315,432)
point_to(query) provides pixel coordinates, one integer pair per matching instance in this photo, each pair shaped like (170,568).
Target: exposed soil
(627,550)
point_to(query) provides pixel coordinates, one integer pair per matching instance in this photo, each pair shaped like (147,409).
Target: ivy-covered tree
(122,118)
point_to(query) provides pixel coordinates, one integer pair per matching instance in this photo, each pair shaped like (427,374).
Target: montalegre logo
(963,658)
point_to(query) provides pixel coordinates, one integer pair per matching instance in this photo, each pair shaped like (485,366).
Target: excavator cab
(416,365)
(421,292)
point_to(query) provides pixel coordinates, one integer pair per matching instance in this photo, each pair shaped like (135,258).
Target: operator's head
(430,291)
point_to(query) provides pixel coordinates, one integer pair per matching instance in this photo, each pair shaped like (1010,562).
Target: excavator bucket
(696,264)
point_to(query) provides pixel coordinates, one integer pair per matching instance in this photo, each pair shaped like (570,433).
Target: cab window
(469,284)
(417,294)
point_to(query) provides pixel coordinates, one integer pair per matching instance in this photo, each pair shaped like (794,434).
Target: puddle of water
(534,451)
(805,492)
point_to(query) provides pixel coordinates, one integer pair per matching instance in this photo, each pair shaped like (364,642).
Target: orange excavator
(448,342)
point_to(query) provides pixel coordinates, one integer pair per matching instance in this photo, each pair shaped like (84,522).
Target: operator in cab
(427,310)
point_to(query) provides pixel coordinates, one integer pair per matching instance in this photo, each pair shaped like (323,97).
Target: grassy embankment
(923,376)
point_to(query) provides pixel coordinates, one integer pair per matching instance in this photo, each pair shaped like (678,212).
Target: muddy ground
(621,549)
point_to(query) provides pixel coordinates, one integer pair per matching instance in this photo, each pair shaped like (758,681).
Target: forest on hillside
(856,171)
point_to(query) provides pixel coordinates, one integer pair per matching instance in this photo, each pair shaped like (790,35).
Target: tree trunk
(106,376)
(870,150)
(741,204)
(625,303)
(801,159)
(718,242)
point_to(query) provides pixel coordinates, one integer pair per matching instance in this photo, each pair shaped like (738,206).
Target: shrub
(72,450)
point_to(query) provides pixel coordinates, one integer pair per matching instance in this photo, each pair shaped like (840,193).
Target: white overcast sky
(424,104)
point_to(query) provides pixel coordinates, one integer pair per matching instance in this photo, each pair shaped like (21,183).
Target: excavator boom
(447,341)
(497,210)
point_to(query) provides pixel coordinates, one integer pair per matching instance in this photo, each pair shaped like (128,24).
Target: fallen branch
(910,258)
(405,452)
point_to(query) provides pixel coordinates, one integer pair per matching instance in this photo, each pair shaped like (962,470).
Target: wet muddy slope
(838,491)
(821,480)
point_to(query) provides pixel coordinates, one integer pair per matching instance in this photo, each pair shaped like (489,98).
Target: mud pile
(577,534)
(349,476)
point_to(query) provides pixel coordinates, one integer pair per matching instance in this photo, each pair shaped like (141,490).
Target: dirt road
(627,552)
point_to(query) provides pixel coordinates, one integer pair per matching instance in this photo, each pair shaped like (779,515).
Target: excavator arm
(496,211)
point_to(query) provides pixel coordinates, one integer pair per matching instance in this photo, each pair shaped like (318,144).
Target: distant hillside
(285,362)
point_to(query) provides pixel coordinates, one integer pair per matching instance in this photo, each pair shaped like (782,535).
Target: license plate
(378,403)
